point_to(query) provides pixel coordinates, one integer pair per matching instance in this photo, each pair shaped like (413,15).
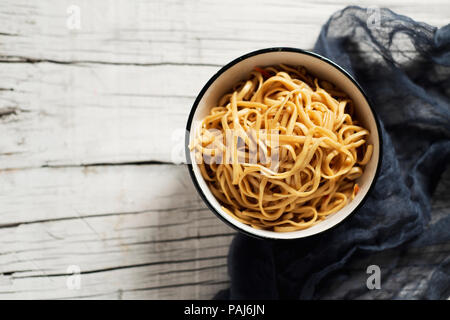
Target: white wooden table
(90,110)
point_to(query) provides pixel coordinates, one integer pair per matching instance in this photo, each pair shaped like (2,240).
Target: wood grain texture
(91,122)
(162,32)
(132,230)
(57,114)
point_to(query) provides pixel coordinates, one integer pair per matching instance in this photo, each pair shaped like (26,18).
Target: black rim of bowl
(228,66)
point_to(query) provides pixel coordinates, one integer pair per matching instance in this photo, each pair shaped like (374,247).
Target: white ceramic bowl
(322,68)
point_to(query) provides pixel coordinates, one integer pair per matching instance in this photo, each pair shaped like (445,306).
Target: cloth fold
(404,67)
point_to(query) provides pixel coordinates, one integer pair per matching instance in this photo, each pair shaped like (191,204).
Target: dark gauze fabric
(404,67)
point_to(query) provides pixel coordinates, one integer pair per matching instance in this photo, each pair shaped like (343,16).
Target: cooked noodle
(282,113)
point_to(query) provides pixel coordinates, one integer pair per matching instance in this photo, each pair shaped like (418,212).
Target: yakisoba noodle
(321,149)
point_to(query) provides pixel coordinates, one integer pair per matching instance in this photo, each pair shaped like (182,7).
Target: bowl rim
(236,61)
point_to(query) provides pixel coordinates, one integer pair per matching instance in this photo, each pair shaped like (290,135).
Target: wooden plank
(78,114)
(134,231)
(177,281)
(42,194)
(99,244)
(195,32)
(113,260)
